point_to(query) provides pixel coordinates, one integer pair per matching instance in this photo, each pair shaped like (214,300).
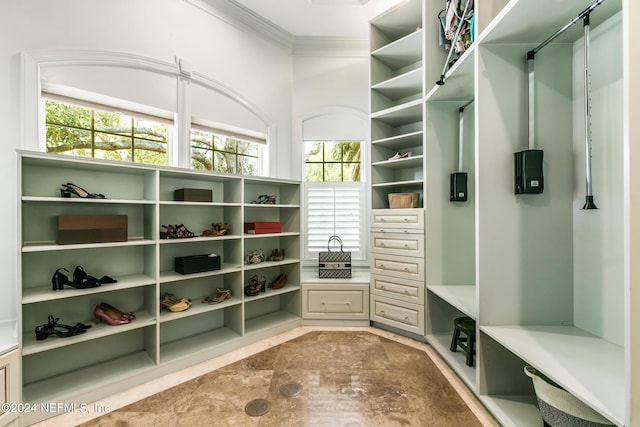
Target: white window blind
(334,208)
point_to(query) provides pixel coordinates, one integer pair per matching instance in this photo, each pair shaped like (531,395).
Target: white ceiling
(319,18)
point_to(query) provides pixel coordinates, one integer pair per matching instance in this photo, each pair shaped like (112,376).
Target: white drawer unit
(399,314)
(397,266)
(407,244)
(397,218)
(395,287)
(335,301)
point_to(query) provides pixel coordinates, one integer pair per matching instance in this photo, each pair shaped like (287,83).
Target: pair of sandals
(53,328)
(81,280)
(265,199)
(174,304)
(218,229)
(177,231)
(218,297)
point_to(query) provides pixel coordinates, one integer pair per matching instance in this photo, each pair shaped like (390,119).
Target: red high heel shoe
(101,312)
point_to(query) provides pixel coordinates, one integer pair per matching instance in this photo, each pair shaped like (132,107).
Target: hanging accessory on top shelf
(455,27)
(458,180)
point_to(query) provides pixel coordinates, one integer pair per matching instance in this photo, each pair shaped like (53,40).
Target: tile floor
(348,377)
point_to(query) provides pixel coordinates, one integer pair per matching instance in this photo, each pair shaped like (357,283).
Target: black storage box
(193,195)
(197,264)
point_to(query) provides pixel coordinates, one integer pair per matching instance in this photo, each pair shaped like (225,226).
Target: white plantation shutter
(334,208)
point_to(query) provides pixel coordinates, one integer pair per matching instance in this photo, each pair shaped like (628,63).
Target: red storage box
(262,227)
(91,229)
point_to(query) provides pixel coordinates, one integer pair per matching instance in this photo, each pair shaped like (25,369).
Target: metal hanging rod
(580,16)
(461,134)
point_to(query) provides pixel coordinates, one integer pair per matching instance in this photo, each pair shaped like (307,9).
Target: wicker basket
(403,200)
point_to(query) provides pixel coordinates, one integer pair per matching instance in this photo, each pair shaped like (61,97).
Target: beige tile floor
(349,376)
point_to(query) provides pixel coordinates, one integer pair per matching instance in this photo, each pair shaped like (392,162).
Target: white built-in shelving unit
(106,358)
(547,283)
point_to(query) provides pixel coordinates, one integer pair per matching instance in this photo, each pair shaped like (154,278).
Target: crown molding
(244,19)
(331,46)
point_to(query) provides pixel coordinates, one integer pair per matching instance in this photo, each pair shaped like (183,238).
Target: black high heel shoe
(70,188)
(81,280)
(58,280)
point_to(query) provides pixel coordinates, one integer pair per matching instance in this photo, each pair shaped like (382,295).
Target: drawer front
(398,244)
(335,302)
(397,218)
(397,266)
(402,315)
(395,287)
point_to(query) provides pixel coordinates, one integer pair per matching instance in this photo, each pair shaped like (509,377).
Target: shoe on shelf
(279,282)
(265,199)
(254,286)
(217,229)
(398,156)
(177,231)
(118,314)
(52,327)
(111,317)
(276,255)
(59,279)
(68,189)
(81,280)
(173,303)
(220,295)
(254,257)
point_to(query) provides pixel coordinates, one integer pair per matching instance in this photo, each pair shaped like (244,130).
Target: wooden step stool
(467,326)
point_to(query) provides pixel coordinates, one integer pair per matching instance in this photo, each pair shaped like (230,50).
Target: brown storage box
(91,229)
(193,195)
(262,227)
(403,200)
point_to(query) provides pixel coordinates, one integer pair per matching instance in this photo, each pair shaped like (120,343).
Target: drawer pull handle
(406,269)
(406,245)
(406,292)
(406,220)
(382,244)
(336,303)
(382,287)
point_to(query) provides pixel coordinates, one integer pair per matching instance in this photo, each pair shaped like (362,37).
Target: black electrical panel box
(458,187)
(528,172)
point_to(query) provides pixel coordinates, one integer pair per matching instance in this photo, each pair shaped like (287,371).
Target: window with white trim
(334,196)
(222,149)
(85,129)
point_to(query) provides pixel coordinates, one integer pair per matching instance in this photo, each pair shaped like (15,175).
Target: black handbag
(334,264)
